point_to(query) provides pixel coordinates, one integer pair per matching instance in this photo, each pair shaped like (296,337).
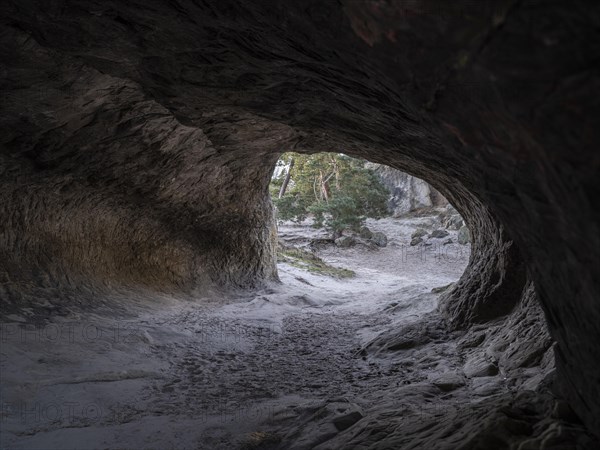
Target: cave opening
(333,209)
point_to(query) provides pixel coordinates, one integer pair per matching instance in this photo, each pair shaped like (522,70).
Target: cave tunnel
(138,141)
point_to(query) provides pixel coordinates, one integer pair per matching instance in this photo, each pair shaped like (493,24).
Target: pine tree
(340,192)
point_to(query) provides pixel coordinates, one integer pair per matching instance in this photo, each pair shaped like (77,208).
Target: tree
(339,192)
(286,180)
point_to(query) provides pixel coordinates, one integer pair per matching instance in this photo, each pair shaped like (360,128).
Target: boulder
(419,233)
(416,241)
(438,234)
(379,238)
(345,241)
(365,233)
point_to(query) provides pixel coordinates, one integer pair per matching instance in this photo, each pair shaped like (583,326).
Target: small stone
(449,241)
(438,234)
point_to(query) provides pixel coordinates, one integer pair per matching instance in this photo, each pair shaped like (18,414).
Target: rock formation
(138,141)
(408,193)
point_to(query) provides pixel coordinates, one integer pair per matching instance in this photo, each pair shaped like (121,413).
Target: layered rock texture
(138,140)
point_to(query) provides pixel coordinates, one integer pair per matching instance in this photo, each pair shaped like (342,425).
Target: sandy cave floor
(229,373)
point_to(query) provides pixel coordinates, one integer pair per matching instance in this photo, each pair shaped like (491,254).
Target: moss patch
(309,261)
(437,290)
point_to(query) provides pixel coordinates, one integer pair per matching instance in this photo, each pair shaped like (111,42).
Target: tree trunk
(288,175)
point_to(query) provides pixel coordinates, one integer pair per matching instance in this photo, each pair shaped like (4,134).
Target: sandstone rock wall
(408,193)
(138,139)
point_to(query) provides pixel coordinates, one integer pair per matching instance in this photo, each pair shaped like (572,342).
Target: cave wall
(138,139)
(103,184)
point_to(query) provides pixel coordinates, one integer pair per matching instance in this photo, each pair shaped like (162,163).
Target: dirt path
(216,374)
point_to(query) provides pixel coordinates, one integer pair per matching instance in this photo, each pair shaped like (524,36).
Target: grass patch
(306,260)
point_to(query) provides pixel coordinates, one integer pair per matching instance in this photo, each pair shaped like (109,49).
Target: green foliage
(338,191)
(342,212)
(291,207)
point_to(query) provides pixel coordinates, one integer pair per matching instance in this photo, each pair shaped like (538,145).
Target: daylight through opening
(340,217)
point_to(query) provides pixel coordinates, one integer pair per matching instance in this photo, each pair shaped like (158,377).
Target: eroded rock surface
(407,192)
(138,141)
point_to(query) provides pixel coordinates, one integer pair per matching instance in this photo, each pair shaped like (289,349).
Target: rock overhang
(140,138)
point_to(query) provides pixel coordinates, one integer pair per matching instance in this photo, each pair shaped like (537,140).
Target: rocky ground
(315,362)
